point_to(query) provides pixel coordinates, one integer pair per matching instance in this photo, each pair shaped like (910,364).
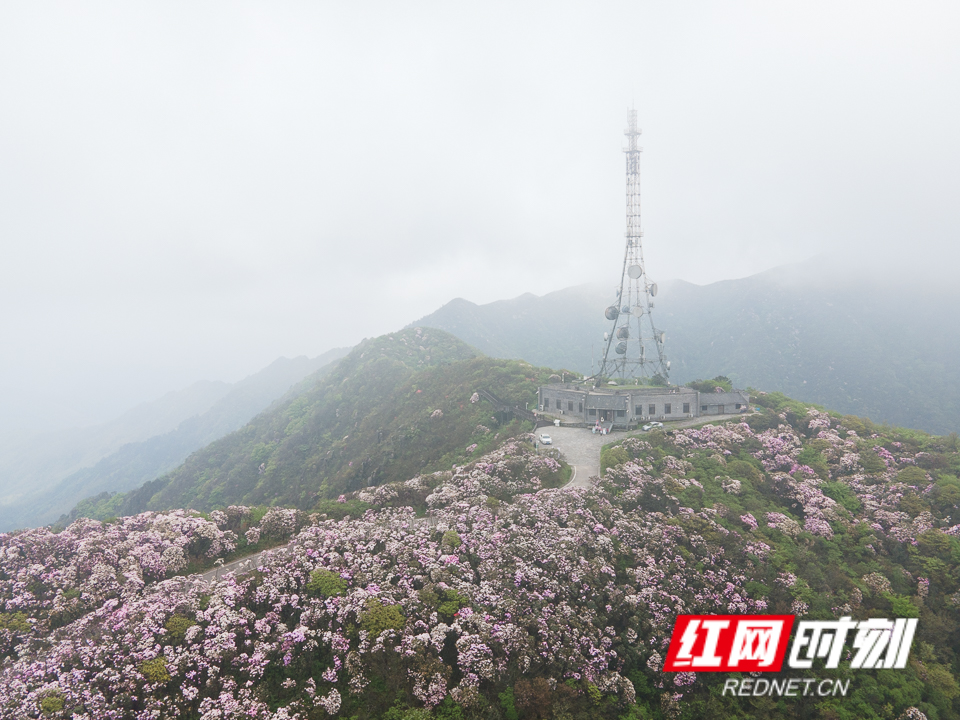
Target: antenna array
(634,346)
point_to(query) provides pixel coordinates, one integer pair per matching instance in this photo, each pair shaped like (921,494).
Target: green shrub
(611,457)
(708,386)
(508,703)
(177,626)
(902,607)
(909,476)
(51,704)
(339,510)
(379,617)
(451,539)
(871,462)
(744,470)
(326,583)
(398,712)
(17,622)
(155,671)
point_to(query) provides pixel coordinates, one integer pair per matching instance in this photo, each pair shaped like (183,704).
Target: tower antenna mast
(634,346)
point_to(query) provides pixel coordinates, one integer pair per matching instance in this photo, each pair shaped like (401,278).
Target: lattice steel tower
(634,346)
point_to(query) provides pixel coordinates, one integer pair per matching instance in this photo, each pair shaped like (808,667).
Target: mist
(190,191)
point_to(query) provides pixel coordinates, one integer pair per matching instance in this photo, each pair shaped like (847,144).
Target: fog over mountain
(189,190)
(44,475)
(866,345)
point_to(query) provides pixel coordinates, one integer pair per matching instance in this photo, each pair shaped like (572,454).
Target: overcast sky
(190,190)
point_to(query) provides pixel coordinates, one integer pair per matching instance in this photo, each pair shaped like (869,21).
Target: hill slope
(857,345)
(394,406)
(511,602)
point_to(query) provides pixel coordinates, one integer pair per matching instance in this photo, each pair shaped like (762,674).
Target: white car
(651,425)
(546,439)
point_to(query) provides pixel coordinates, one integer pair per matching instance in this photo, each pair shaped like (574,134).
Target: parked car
(545,439)
(651,425)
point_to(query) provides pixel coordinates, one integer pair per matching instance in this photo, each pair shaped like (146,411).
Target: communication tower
(633,348)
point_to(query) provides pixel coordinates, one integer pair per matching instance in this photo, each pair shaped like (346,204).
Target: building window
(638,410)
(703,408)
(666,409)
(570,405)
(652,409)
(686,408)
(621,413)
(737,406)
(558,403)
(592,412)
(581,407)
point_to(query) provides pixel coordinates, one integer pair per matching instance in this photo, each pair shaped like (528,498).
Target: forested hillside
(393,407)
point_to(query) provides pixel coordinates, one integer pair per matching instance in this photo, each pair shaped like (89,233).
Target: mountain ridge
(806,330)
(395,405)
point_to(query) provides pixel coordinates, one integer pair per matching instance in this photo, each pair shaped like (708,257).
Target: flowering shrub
(508,596)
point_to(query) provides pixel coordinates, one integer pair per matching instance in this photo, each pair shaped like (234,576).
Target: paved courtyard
(581,448)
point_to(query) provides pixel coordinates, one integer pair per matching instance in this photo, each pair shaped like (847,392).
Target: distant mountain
(874,347)
(395,406)
(562,329)
(45,477)
(32,461)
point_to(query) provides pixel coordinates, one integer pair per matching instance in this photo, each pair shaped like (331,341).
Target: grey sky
(189,190)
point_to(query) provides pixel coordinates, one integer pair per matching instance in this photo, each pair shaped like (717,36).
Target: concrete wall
(660,400)
(571,401)
(620,406)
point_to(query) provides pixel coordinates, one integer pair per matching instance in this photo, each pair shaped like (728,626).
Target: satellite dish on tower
(635,271)
(653,289)
(622,348)
(623,333)
(612,312)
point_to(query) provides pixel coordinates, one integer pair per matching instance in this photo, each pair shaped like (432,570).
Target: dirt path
(251,562)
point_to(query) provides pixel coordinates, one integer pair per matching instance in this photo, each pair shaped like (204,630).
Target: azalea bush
(506,598)
(49,579)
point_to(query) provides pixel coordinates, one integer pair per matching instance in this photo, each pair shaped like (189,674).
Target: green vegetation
(16,621)
(325,583)
(709,386)
(396,406)
(155,671)
(860,567)
(52,703)
(378,617)
(177,626)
